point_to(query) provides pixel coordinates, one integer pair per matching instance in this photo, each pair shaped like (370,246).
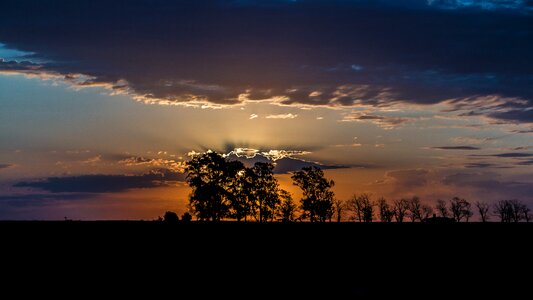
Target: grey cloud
(24,200)
(486,182)
(104,183)
(5,166)
(513,155)
(456,148)
(224,52)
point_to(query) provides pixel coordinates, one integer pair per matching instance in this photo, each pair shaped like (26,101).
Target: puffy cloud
(104,183)
(285,161)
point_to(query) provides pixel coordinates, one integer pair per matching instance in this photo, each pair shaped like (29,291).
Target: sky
(102,102)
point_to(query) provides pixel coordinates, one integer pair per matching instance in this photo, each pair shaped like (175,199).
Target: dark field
(249,261)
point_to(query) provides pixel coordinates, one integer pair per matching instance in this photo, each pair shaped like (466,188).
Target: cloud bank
(473,55)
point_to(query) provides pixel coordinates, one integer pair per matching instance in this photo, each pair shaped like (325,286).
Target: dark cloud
(513,155)
(104,183)
(335,53)
(5,166)
(456,148)
(23,200)
(480,165)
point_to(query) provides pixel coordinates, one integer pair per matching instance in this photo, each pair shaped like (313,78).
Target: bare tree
(442,208)
(461,209)
(400,208)
(386,213)
(427,211)
(526,211)
(415,209)
(503,210)
(483,209)
(339,205)
(516,210)
(362,208)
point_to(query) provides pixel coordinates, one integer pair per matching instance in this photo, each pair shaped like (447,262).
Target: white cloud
(253,116)
(282,116)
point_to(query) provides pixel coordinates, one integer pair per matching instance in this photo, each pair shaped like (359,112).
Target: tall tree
(339,205)
(264,191)
(362,207)
(415,209)
(460,209)
(483,210)
(442,208)
(385,211)
(504,210)
(317,199)
(427,211)
(287,209)
(211,179)
(240,191)
(400,208)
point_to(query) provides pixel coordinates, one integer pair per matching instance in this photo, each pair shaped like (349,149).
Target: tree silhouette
(503,210)
(460,209)
(427,211)
(483,210)
(171,217)
(287,208)
(527,213)
(400,208)
(264,191)
(415,209)
(239,191)
(385,211)
(211,178)
(362,207)
(442,208)
(339,205)
(317,200)
(186,217)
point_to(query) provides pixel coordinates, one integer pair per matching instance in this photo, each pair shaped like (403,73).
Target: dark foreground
(276,261)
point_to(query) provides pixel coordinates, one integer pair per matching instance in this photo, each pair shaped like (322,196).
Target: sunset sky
(103,101)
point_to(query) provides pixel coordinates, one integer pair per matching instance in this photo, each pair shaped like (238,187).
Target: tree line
(225,189)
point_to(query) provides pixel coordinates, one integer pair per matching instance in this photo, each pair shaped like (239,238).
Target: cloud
(381,121)
(480,4)
(480,165)
(218,62)
(491,183)
(285,161)
(24,200)
(282,116)
(170,164)
(409,178)
(104,183)
(512,155)
(253,116)
(456,148)
(5,166)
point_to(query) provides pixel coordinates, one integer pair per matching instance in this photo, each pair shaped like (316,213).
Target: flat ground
(299,260)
